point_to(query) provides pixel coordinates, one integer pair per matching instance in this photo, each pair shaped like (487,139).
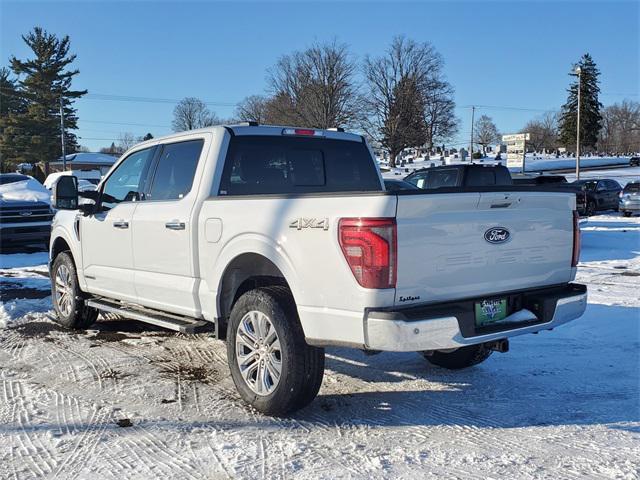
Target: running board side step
(154,317)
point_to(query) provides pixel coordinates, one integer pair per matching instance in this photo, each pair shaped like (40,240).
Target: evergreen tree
(590,116)
(44,80)
(11,104)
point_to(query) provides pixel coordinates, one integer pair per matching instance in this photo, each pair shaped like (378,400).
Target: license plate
(490,311)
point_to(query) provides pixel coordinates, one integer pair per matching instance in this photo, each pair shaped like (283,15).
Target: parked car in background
(601,194)
(553,181)
(629,202)
(533,179)
(87,179)
(449,176)
(25,211)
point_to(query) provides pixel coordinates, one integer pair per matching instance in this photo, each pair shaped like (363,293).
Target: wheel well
(59,246)
(244,273)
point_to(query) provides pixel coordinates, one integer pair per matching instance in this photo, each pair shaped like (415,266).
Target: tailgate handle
(121,224)
(501,205)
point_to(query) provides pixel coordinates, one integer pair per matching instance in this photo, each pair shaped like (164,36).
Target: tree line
(399,99)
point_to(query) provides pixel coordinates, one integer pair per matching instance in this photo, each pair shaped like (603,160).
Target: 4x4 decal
(303,222)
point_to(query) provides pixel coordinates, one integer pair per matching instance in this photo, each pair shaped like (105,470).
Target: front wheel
(272,366)
(459,358)
(626,214)
(68,299)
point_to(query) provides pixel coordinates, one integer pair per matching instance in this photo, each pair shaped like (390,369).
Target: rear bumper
(452,325)
(629,206)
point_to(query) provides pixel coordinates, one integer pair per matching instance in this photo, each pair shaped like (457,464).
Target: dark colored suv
(601,194)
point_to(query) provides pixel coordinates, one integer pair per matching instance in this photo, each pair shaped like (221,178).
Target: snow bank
(28,190)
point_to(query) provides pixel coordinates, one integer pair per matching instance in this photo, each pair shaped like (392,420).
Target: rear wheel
(68,299)
(460,358)
(272,366)
(626,214)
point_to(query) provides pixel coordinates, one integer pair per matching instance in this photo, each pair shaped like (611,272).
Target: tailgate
(462,245)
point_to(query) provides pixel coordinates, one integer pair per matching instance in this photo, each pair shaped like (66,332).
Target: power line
(125,123)
(132,98)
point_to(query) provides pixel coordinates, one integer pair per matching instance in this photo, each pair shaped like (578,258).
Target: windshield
(632,188)
(587,185)
(4,179)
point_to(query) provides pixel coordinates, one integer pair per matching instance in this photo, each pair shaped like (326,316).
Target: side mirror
(65,193)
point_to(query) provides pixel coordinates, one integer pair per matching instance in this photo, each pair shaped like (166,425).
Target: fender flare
(61,231)
(260,245)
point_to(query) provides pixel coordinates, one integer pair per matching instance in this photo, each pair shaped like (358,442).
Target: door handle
(121,224)
(175,225)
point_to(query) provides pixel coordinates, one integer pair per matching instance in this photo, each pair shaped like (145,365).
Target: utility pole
(473,112)
(579,73)
(64,150)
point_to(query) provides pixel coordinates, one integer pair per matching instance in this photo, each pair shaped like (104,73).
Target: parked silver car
(630,199)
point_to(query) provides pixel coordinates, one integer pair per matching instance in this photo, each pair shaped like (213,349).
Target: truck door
(105,236)
(163,230)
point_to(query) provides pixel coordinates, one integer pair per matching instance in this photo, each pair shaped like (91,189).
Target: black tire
(302,366)
(591,208)
(626,214)
(78,315)
(463,357)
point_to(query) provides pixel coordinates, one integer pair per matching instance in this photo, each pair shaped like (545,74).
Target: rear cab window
(632,188)
(278,165)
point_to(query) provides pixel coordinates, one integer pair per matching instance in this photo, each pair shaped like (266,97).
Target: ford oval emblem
(497,235)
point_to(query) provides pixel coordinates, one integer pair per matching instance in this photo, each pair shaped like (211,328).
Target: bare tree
(620,128)
(253,109)
(126,140)
(543,132)
(485,132)
(407,69)
(439,117)
(315,87)
(192,113)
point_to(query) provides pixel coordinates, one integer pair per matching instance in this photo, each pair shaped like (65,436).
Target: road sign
(516,149)
(516,137)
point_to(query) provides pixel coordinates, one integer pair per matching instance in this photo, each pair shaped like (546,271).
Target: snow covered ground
(561,404)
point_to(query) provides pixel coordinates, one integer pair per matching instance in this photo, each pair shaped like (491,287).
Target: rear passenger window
(443,178)
(285,165)
(176,168)
(481,177)
(612,185)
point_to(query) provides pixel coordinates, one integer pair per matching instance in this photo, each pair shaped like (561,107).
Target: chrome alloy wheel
(258,353)
(64,290)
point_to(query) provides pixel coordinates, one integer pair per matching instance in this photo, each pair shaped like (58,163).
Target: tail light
(575,257)
(370,247)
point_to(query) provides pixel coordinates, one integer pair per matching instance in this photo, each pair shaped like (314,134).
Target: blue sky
(500,54)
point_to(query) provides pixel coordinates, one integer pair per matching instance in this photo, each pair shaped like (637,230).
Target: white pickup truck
(286,241)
